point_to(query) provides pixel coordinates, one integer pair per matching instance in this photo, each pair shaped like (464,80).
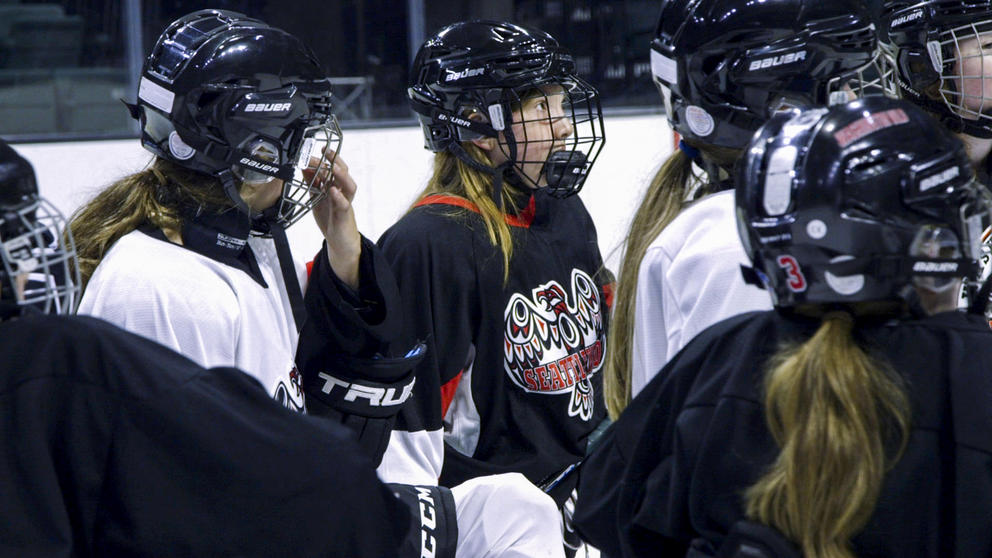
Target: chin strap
(497,173)
(289,277)
(230,183)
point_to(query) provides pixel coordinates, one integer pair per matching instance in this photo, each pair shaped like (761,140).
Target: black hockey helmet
(723,66)
(469,81)
(937,50)
(858,203)
(38,263)
(230,96)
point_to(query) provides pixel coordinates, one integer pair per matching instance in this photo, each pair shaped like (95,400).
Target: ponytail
(155,195)
(455,177)
(674,185)
(841,419)
(662,202)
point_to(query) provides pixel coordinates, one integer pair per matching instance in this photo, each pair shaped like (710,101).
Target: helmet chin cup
(565,169)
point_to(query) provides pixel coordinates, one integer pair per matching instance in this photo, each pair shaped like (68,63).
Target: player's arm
(353,370)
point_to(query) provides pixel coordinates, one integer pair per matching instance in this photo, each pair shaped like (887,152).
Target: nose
(563,127)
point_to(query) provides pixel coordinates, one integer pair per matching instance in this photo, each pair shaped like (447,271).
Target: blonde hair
(841,419)
(673,186)
(157,195)
(454,177)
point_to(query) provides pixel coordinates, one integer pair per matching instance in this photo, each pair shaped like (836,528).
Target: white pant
(506,516)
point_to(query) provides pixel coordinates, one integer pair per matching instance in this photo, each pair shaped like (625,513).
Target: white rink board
(391,167)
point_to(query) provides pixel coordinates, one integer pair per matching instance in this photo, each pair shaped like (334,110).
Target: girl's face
(973,71)
(261,196)
(540,125)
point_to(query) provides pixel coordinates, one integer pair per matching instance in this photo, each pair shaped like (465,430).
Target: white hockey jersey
(213,313)
(690,278)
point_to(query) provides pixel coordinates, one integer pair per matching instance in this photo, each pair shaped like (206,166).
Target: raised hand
(336,218)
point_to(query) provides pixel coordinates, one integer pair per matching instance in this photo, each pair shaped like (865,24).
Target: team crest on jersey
(553,341)
(291,396)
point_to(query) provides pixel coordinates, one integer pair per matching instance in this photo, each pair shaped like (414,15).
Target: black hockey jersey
(113,445)
(672,470)
(512,369)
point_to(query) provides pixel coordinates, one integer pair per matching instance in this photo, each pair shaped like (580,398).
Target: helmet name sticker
(779,60)
(156,95)
(179,149)
(664,68)
(466,73)
(940,178)
(917,14)
(268,107)
(700,121)
(869,124)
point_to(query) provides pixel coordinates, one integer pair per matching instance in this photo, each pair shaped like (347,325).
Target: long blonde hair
(841,419)
(156,195)
(673,186)
(454,177)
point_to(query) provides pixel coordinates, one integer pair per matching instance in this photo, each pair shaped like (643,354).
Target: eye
(542,106)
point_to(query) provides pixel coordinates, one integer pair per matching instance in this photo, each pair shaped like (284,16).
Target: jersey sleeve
(434,261)
(355,369)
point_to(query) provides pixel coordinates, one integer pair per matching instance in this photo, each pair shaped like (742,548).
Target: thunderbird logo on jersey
(553,343)
(291,396)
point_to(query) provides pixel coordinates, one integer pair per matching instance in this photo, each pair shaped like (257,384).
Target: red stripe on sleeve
(448,392)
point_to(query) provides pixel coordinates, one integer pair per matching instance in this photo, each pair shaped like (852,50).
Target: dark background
(65,65)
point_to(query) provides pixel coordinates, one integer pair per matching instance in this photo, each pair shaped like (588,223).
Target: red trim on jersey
(608,291)
(309,268)
(448,392)
(523,220)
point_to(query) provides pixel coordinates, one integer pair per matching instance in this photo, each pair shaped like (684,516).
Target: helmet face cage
(966,75)
(553,135)
(877,77)
(492,79)
(318,150)
(39,258)
(937,49)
